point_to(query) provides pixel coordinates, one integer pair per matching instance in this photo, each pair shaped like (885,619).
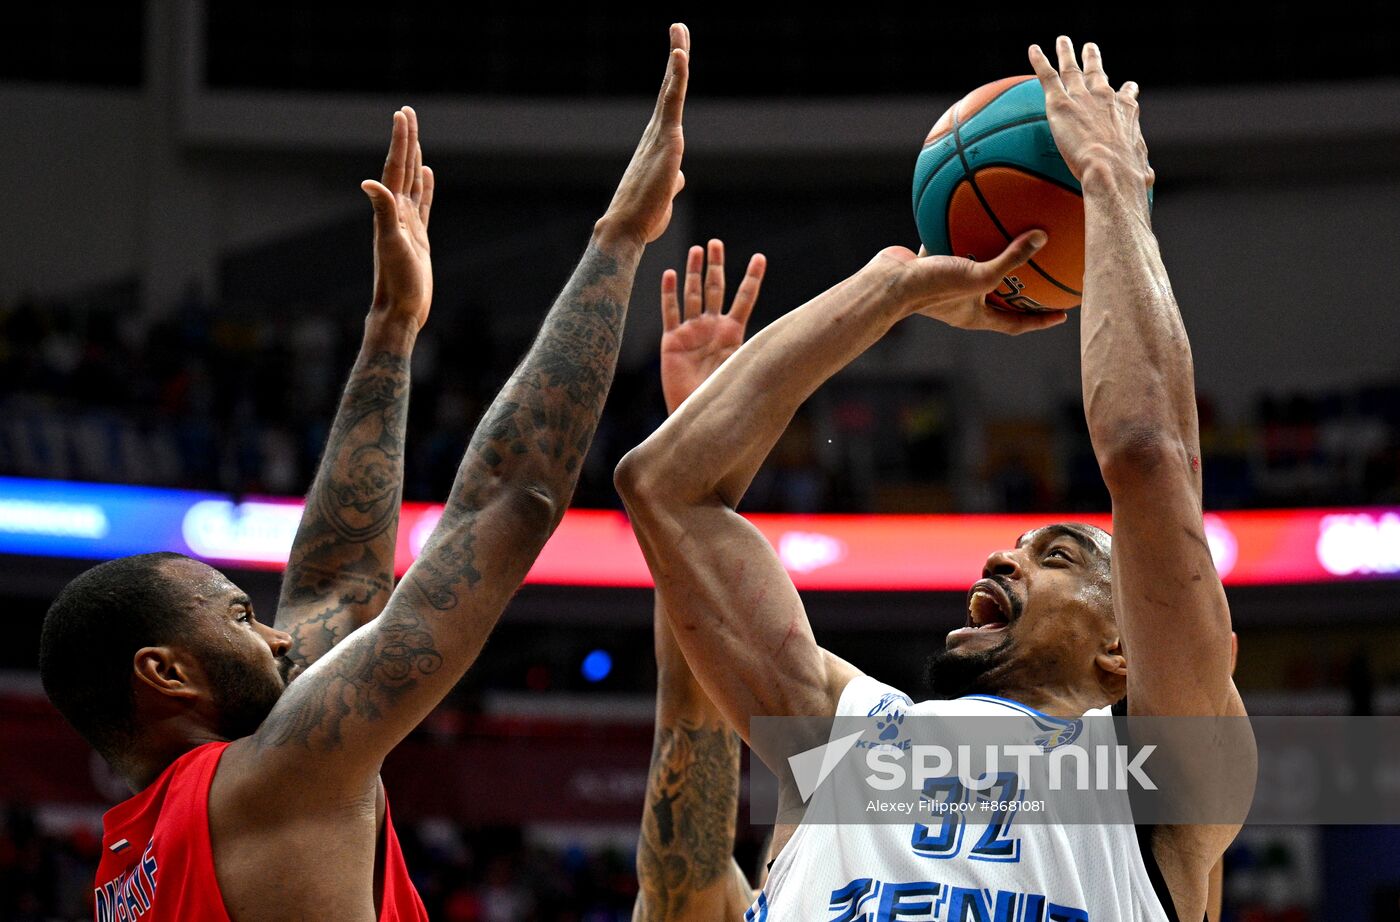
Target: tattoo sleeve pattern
(361,682)
(341,569)
(515,481)
(687,837)
(534,436)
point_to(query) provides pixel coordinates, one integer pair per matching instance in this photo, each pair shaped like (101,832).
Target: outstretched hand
(641,206)
(697,341)
(954,290)
(1093,125)
(402,199)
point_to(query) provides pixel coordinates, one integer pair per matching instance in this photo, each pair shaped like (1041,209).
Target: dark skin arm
(341,568)
(309,774)
(1140,406)
(685,861)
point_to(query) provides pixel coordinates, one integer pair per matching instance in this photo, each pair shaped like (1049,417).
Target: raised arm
(1140,404)
(685,858)
(349,709)
(734,610)
(341,569)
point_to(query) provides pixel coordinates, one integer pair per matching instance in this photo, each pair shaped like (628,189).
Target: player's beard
(952,675)
(243,695)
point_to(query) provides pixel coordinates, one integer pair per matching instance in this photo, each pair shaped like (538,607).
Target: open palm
(697,339)
(402,200)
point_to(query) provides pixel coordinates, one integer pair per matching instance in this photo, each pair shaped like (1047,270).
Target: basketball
(989,170)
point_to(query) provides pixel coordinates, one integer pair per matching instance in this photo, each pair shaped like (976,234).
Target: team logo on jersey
(889,699)
(889,713)
(1057,733)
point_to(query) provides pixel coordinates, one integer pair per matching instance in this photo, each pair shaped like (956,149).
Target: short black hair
(91,632)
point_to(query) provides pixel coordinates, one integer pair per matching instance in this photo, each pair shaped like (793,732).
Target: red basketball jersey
(158,864)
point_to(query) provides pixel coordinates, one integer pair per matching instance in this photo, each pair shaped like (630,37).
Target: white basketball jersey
(1021,872)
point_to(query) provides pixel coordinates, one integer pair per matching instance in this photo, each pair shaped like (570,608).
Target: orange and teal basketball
(989,170)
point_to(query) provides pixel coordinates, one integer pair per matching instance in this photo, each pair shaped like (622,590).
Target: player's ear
(166,671)
(1111,659)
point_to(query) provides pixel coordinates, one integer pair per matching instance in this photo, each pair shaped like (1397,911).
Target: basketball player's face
(243,660)
(1040,614)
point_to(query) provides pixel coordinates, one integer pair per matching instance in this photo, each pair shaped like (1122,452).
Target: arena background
(186,263)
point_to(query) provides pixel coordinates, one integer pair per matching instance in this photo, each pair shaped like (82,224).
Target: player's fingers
(747,295)
(670,305)
(425,206)
(415,179)
(415,183)
(1070,73)
(670,103)
(403,182)
(386,214)
(1045,71)
(1094,74)
(1128,99)
(714,278)
(693,298)
(1017,253)
(392,176)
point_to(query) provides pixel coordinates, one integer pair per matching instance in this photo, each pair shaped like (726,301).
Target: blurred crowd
(236,400)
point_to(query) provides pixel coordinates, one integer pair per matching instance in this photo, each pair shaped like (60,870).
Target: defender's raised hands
(341,568)
(1094,125)
(402,199)
(696,341)
(693,779)
(641,207)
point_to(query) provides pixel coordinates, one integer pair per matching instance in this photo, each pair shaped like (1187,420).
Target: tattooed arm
(685,858)
(355,704)
(341,569)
